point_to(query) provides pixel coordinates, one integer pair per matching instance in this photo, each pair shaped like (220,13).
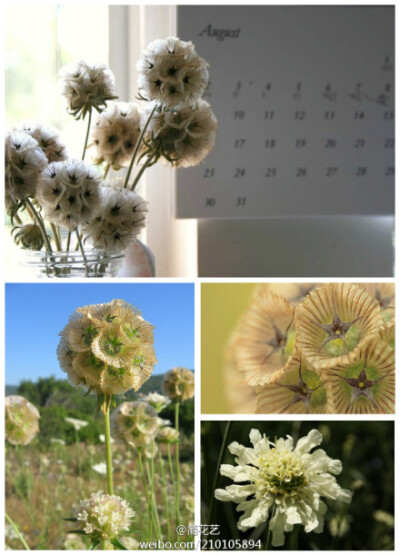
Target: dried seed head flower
(296,389)
(384,293)
(30,236)
(168,435)
(366,385)
(48,138)
(334,322)
(107,348)
(172,73)
(115,134)
(157,401)
(119,220)
(102,516)
(183,137)
(22,420)
(286,480)
(136,424)
(69,193)
(265,337)
(86,86)
(24,161)
(178,384)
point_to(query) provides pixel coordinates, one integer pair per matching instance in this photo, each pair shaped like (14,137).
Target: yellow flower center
(281,473)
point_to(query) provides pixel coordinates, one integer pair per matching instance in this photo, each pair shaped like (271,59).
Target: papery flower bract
(384,293)
(240,396)
(296,389)
(119,220)
(21,420)
(86,86)
(367,384)
(69,193)
(115,134)
(24,162)
(136,424)
(282,479)
(334,322)
(102,516)
(172,73)
(178,384)
(48,138)
(185,136)
(95,357)
(265,337)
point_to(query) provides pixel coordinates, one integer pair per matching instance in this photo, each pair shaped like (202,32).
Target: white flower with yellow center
(288,481)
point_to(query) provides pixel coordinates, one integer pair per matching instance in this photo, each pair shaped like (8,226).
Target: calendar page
(305,104)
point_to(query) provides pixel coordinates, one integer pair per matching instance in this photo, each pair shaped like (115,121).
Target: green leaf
(76,532)
(71,519)
(94,544)
(117,544)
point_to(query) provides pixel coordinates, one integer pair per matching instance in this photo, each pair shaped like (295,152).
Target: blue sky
(36,313)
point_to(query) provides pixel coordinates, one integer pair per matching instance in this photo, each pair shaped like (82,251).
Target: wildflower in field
(168,435)
(76,423)
(157,401)
(178,384)
(21,420)
(103,517)
(101,468)
(283,484)
(57,441)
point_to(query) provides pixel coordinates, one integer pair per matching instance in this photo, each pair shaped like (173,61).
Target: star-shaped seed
(301,392)
(362,387)
(278,343)
(336,329)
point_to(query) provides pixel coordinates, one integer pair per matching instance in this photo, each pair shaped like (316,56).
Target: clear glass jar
(72,264)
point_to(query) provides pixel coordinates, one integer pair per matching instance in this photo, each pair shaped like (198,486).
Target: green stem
(146,490)
(146,164)
(16,530)
(78,453)
(150,474)
(87,133)
(56,238)
(171,467)
(82,250)
(216,476)
(68,241)
(139,142)
(164,480)
(178,477)
(106,170)
(107,436)
(268,539)
(40,224)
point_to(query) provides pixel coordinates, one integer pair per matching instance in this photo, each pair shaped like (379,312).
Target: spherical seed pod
(22,420)
(178,384)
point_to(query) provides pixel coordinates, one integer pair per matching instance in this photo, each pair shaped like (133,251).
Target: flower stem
(107,436)
(16,530)
(40,224)
(164,481)
(171,468)
(82,250)
(139,142)
(106,170)
(178,478)
(150,474)
(56,238)
(146,491)
(145,165)
(68,241)
(216,476)
(87,133)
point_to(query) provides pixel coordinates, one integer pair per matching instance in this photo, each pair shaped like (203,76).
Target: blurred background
(366,450)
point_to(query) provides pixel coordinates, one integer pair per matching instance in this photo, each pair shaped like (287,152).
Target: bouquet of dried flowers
(60,206)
